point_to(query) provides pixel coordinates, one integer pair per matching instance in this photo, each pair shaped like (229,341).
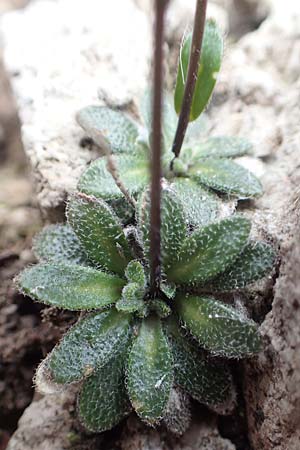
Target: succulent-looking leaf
(89,345)
(132,298)
(59,244)
(135,273)
(103,400)
(169,117)
(133,171)
(226,176)
(207,381)
(100,232)
(149,371)
(104,124)
(256,260)
(210,250)
(210,64)
(219,328)
(70,286)
(222,147)
(201,207)
(173,224)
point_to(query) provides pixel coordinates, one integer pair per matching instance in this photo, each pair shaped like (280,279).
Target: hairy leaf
(210,64)
(207,381)
(59,244)
(132,298)
(132,171)
(103,400)
(104,124)
(169,118)
(226,176)
(160,308)
(99,231)
(219,328)
(89,345)
(173,224)
(201,207)
(254,262)
(71,287)
(222,147)
(135,273)
(149,372)
(210,250)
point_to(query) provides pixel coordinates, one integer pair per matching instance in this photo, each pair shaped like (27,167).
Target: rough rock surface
(257,96)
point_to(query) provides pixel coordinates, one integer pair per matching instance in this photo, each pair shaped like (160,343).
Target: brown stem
(198,32)
(156,170)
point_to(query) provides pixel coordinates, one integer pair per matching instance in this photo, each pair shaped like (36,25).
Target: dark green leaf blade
(226,176)
(99,231)
(103,400)
(210,250)
(71,287)
(219,328)
(104,124)
(210,64)
(207,381)
(173,224)
(89,345)
(222,147)
(59,244)
(201,207)
(256,260)
(149,372)
(133,172)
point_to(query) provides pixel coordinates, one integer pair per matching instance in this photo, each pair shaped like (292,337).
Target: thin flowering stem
(156,143)
(197,39)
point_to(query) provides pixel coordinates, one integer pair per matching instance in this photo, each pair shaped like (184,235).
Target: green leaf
(133,171)
(226,176)
(222,147)
(160,308)
(103,124)
(89,345)
(59,244)
(103,400)
(169,117)
(201,207)
(219,328)
(256,260)
(210,64)
(169,289)
(70,286)
(135,273)
(132,298)
(149,371)
(210,250)
(207,381)
(100,232)
(173,224)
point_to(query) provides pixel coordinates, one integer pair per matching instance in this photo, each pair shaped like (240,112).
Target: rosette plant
(130,348)
(207,163)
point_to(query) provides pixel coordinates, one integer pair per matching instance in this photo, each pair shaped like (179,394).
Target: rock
(76,48)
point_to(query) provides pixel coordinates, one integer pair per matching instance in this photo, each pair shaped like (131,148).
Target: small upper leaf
(132,299)
(222,147)
(58,243)
(135,273)
(149,372)
(99,231)
(226,176)
(201,207)
(70,286)
(255,261)
(89,345)
(173,224)
(105,124)
(210,250)
(207,381)
(132,171)
(210,64)
(219,328)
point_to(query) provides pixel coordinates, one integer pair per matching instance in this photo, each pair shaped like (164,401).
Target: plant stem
(156,170)
(198,32)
